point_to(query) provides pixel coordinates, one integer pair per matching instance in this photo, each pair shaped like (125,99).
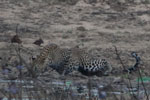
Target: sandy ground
(97,27)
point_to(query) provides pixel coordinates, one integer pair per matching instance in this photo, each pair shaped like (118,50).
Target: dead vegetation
(95,25)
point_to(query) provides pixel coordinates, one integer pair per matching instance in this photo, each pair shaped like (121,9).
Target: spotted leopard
(64,61)
(87,64)
(51,56)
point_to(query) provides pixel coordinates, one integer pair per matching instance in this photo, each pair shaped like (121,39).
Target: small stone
(81,28)
(16,39)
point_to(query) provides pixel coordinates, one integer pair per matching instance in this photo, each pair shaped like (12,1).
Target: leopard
(87,64)
(65,61)
(50,56)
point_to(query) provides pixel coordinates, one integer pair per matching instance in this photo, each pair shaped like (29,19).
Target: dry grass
(95,25)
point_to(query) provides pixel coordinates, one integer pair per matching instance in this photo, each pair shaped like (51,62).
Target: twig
(140,75)
(118,55)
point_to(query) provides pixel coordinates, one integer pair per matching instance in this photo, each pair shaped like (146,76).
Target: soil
(97,27)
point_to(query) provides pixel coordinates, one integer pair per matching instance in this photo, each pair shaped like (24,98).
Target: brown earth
(97,27)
